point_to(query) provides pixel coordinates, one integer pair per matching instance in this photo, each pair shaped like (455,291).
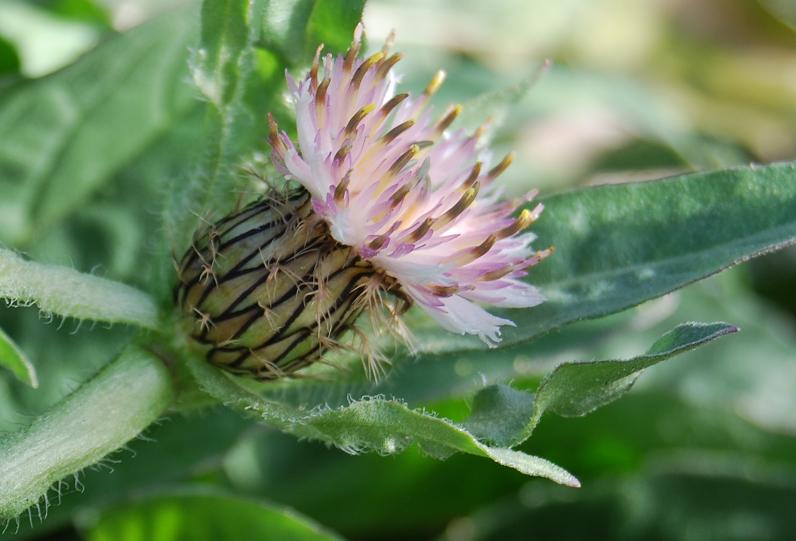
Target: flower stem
(96,419)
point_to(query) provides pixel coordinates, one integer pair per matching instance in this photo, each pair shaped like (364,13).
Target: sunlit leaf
(14,359)
(204,515)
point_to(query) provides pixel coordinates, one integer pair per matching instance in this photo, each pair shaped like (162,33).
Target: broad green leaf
(620,245)
(14,359)
(372,424)
(204,515)
(507,416)
(66,292)
(64,137)
(98,418)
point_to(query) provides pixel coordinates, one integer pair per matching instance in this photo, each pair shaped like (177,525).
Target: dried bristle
(266,290)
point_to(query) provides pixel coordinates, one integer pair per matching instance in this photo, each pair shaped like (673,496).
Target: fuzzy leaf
(502,414)
(12,358)
(372,424)
(620,245)
(66,292)
(65,136)
(98,418)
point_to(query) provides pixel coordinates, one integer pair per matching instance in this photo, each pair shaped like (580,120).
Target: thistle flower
(411,197)
(412,204)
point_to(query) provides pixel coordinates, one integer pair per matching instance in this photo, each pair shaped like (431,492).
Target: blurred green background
(704,447)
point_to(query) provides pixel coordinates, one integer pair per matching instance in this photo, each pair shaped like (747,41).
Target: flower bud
(267,289)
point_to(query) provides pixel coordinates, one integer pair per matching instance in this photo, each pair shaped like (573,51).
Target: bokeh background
(703,448)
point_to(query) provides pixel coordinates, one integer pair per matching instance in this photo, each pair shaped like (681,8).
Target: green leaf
(294,28)
(620,245)
(79,10)
(500,415)
(221,61)
(98,418)
(15,360)
(575,389)
(9,59)
(241,84)
(372,424)
(68,293)
(578,388)
(332,23)
(201,515)
(784,10)
(64,137)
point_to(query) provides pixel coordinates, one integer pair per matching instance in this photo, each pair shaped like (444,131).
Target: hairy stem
(66,292)
(98,418)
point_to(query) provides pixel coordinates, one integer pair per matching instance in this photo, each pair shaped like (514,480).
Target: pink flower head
(414,198)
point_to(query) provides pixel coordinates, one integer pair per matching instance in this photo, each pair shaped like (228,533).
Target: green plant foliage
(293,29)
(14,359)
(108,166)
(107,412)
(146,465)
(9,59)
(113,103)
(500,415)
(332,22)
(81,10)
(508,417)
(204,515)
(68,293)
(371,425)
(620,245)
